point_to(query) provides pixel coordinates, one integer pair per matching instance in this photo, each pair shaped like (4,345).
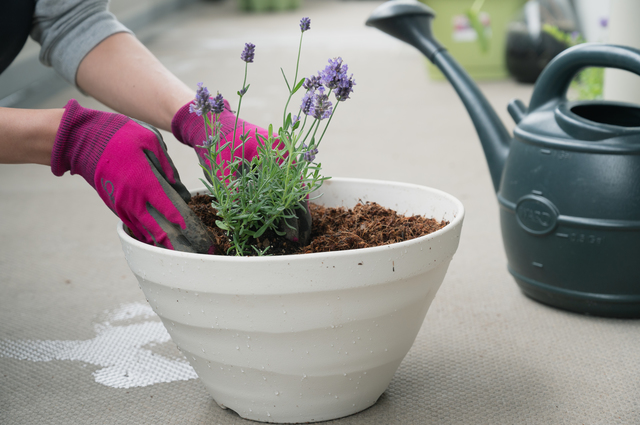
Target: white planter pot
(303,338)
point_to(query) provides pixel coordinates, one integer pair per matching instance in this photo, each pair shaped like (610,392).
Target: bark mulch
(334,229)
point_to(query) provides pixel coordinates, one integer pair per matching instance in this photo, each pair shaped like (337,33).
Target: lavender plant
(270,191)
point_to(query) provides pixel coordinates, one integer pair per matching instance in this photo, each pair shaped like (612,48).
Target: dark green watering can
(568,181)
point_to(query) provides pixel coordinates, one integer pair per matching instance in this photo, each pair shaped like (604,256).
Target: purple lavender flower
(345,88)
(604,22)
(203,103)
(217,104)
(309,155)
(312,83)
(295,119)
(248,52)
(208,142)
(305,24)
(322,107)
(307,102)
(333,73)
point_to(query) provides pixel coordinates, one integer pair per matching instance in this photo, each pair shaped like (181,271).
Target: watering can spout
(410,21)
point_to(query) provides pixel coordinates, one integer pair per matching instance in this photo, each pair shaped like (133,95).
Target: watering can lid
(576,125)
(397,8)
(584,126)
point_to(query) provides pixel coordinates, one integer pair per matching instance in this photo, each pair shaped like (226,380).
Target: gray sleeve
(68,29)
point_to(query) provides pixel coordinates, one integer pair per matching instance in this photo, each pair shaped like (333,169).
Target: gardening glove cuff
(126,162)
(81,138)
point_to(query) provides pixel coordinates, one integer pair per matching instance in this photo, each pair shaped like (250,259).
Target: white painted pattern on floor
(122,351)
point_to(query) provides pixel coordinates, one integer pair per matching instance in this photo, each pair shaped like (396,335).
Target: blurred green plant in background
(473,14)
(588,83)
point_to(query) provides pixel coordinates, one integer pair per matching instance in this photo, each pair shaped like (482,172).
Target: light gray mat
(79,345)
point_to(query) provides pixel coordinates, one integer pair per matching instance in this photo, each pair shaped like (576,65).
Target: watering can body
(567,181)
(570,211)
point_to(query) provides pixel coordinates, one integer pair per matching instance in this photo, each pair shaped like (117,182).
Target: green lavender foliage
(253,196)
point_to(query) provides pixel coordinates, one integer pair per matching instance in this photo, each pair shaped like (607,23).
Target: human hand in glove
(126,162)
(188,128)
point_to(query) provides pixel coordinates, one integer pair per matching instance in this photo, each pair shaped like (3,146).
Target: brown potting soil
(334,229)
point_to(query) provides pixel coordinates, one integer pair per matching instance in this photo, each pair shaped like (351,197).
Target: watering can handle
(556,77)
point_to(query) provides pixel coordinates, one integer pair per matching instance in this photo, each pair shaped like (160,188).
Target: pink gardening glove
(188,128)
(126,162)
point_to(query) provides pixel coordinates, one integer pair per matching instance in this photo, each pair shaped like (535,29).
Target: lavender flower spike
(333,73)
(305,24)
(312,83)
(248,52)
(322,107)
(307,102)
(310,155)
(208,142)
(345,88)
(203,103)
(217,104)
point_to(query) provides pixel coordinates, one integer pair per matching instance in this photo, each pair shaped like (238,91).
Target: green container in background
(452,28)
(268,5)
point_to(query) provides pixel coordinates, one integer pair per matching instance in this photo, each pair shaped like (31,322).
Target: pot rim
(453,224)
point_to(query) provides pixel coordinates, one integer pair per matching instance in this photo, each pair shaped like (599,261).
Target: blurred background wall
(516,35)
(623,29)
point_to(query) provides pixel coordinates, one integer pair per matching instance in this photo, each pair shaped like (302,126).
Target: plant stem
(295,81)
(235,126)
(328,122)
(315,121)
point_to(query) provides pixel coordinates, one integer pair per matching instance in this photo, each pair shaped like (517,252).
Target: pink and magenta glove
(126,162)
(188,128)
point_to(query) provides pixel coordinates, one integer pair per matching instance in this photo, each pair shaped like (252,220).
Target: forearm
(28,135)
(122,74)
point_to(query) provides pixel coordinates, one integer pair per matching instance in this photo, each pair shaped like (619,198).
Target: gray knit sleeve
(68,29)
